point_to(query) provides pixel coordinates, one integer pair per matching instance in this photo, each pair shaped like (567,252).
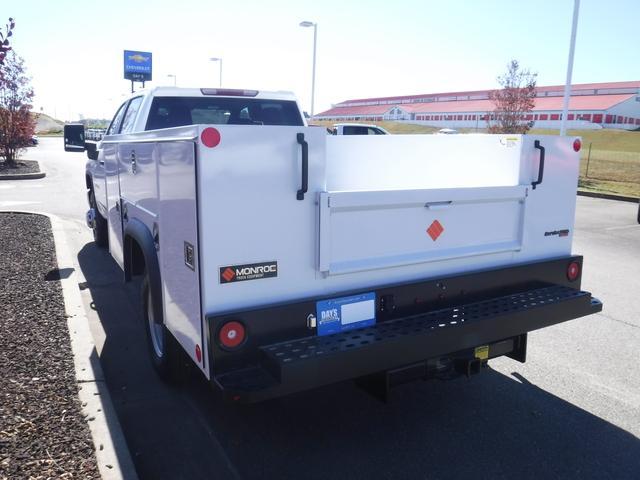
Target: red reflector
(232,334)
(573,271)
(577,145)
(210,137)
(198,354)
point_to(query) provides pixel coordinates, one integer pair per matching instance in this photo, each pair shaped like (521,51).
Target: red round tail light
(577,145)
(232,335)
(210,137)
(573,271)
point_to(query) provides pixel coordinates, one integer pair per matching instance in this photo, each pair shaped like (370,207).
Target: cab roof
(212,91)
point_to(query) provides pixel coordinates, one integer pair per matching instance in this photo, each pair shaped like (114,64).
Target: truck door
(112,183)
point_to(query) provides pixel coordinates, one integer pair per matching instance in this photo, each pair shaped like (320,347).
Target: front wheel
(99,228)
(163,349)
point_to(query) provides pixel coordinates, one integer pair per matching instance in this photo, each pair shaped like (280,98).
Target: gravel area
(21,166)
(43,433)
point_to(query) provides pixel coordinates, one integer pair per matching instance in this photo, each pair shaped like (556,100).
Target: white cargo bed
(379,210)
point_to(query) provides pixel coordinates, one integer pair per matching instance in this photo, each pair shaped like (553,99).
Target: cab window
(114,128)
(169,112)
(130,117)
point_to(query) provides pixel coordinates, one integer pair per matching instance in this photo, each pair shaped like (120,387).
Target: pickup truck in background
(356,129)
(279,258)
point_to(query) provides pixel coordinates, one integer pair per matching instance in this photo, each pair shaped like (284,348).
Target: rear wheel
(163,349)
(100,231)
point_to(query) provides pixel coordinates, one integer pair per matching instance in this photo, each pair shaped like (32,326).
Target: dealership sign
(137,66)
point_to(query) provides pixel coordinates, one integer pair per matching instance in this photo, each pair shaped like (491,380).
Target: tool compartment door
(370,230)
(258,238)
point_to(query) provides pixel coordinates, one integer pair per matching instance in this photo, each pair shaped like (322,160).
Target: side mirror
(74,137)
(92,150)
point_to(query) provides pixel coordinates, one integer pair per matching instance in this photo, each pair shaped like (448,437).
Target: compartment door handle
(305,167)
(438,205)
(536,144)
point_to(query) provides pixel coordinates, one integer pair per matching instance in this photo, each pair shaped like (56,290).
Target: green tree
(513,102)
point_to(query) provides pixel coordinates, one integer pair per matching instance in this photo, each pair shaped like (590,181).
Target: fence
(612,167)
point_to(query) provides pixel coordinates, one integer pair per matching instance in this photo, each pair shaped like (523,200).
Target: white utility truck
(280,258)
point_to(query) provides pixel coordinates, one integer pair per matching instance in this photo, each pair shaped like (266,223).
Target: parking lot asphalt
(572,411)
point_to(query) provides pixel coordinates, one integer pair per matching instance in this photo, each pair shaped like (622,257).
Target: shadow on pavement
(491,426)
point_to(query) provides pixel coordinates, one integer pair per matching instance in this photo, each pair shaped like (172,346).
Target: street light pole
(313,74)
(218,59)
(567,85)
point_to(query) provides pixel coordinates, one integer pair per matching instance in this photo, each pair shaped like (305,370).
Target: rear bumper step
(287,367)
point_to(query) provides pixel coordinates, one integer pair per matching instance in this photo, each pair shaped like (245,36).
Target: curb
(111,451)
(26,176)
(608,196)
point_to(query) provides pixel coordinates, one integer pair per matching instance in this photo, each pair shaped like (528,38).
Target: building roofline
(574,87)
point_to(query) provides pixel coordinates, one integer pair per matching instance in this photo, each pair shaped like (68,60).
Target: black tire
(164,351)
(100,229)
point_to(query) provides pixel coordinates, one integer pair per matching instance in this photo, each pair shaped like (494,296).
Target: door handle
(438,205)
(536,144)
(305,167)
(134,165)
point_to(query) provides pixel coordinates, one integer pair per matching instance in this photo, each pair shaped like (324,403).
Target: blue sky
(73,49)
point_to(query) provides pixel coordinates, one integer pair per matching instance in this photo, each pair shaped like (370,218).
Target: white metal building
(591,106)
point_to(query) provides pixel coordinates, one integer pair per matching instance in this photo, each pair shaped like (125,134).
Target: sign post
(137,67)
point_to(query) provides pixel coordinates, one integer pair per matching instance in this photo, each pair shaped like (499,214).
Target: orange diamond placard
(435,230)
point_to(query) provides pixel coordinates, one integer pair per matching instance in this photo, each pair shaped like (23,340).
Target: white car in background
(356,129)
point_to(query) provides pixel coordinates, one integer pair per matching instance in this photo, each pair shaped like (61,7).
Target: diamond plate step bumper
(310,362)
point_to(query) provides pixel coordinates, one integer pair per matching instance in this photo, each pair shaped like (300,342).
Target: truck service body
(280,258)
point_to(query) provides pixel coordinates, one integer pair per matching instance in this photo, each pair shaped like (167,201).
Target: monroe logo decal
(249,271)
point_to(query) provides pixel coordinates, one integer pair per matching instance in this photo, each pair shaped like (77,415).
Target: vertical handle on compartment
(305,167)
(536,144)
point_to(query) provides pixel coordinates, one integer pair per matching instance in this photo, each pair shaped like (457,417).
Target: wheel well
(136,259)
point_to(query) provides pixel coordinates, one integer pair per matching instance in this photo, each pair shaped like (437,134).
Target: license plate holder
(342,314)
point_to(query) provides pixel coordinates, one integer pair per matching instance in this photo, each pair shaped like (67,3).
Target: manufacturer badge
(248,271)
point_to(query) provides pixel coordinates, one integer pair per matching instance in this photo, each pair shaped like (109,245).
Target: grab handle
(438,205)
(536,144)
(305,167)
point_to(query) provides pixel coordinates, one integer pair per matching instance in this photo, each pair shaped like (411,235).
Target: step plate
(280,355)
(287,367)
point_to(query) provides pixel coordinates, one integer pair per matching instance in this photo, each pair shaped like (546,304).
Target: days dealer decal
(249,271)
(560,233)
